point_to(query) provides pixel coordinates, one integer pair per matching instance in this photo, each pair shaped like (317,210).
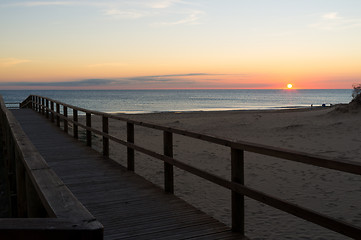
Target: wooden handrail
(236,185)
(37,192)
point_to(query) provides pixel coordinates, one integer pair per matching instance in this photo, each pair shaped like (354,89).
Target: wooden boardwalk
(128,206)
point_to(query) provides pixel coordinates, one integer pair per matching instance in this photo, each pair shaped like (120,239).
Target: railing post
(52,111)
(10,146)
(36,104)
(88,132)
(20,188)
(33,105)
(57,115)
(47,108)
(168,168)
(42,106)
(65,113)
(105,139)
(130,151)
(75,126)
(237,175)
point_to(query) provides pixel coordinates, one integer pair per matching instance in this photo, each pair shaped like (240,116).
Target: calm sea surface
(145,101)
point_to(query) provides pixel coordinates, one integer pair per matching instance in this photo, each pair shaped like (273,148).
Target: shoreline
(227,109)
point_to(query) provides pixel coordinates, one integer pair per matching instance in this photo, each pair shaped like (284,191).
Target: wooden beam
(130,151)
(105,139)
(168,168)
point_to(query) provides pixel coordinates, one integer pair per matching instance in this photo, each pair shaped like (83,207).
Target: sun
(289,86)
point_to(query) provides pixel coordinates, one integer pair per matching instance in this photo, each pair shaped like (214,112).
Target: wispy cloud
(44,3)
(334,21)
(163,3)
(188,80)
(125,14)
(10,62)
(80,83)
(169,79)
(136,9)
(191,17)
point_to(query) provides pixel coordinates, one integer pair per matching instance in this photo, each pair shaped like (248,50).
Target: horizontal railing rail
(57,111)
(42,207)
(12,105)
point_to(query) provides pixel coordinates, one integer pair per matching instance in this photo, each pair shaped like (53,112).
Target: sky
(180,44)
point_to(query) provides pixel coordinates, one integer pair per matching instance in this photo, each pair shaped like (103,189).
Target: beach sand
(331,132)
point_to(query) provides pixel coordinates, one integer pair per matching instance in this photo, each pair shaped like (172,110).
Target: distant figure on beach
(311,105)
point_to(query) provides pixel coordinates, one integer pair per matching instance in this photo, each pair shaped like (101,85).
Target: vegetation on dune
(356,95)
(355,105)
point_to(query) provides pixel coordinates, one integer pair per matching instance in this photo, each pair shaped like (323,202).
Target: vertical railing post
(65,113)
(52,111)
(37,103)
(57,114)
(33,102)
(20,188)
(75,126)
(130,151)
(168,168)
(237,176)
(47,108)
(88,132)
(105,139)
(42,106)
(10,147)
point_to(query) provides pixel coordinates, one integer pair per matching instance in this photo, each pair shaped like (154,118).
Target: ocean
(147,101)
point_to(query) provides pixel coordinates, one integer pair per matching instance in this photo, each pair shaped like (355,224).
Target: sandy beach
(332,132)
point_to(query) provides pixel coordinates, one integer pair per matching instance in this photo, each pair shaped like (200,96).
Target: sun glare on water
(289,86)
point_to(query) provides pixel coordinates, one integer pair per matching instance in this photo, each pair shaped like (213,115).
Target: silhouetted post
(37,104)
(130,151)
(65,113)
(105,139)
(20,188)
(75,126)
(58,114)
(42,106)
(10,148)
(52,110)
(33,103)
(88,132)
(47,108)
(168,168)
(237,175)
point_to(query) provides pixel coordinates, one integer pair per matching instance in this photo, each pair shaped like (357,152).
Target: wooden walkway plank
(128,206)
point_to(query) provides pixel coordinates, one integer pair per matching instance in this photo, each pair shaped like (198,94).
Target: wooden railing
(12,105)
(42,207)
(52,110)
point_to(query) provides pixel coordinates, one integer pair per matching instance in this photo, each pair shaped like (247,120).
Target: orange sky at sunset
(169,44)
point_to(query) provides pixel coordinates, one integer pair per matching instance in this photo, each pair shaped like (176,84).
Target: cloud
(80,83)
(169,79)
(163,3)
(136,9)
(45,3)
(124,14)
(191,18)
(331,15)
(333,21)
(10,62)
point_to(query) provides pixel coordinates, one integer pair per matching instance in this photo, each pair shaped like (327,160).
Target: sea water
(146,101)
